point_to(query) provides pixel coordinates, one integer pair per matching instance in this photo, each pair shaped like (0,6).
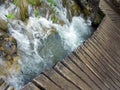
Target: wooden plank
(30,86)
(111,60)
(95,68)
(110,12)
(111,71)
(78,61)
(109,50)
(45,83)
(72,77)
(113,45)
(91,50)
(111,56)
(79,72)
(110,42)
(60,80)
(92,65)
(112,5)
(109,29)
(108,59)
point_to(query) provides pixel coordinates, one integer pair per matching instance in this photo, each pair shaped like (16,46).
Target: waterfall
(41,43)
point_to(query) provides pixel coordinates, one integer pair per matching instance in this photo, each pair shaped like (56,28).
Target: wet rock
(8,46)
(74,11)
(44,9)
(90,8)
(8,55)
(2,1)
(3,25)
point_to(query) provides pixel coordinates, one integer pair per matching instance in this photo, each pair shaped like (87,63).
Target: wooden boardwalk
(93,66)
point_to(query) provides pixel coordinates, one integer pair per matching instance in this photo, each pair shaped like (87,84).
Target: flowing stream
(41,43)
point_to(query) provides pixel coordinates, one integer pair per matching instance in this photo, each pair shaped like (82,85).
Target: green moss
(37,13)
(10,16)
(54,19)
(32,2)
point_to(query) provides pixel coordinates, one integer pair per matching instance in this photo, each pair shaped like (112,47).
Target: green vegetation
(52,3)
(37,13)
(10,16)
(35,2)
(54,19)
(32,2)
(16,2)
(41,1)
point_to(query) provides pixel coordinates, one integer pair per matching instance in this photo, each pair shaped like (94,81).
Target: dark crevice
(6,87)
(52,80)
(39,86)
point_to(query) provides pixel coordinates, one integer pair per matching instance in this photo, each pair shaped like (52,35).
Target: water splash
(42,43)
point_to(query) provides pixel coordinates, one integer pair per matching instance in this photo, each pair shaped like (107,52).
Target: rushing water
(42,43)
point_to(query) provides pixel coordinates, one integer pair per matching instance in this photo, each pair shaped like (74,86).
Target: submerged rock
(53,49)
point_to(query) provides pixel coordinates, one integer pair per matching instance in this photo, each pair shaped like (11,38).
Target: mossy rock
(23,7)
